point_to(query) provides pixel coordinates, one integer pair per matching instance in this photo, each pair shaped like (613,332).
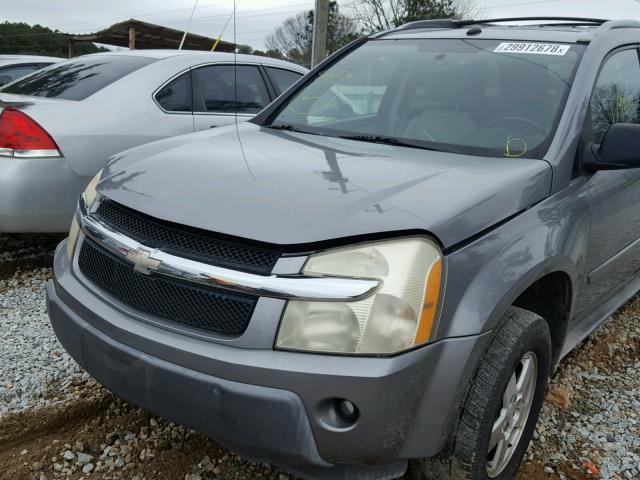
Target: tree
(36,39)
(294,37)
(248,50)
(612,103)
(377,15)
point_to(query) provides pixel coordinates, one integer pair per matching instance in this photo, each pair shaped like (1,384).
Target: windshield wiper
(289,128)
(281,126)
(388,141)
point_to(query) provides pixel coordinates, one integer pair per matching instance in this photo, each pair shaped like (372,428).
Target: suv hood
(290,188)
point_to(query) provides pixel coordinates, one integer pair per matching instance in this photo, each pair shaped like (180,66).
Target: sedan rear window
(77,79)
(13,72)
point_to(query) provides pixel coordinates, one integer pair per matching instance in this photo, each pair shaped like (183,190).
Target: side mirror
(619,150)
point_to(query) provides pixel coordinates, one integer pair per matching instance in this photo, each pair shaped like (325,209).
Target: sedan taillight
(21,136)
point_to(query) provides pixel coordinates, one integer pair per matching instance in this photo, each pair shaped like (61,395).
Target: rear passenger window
(616,96)
(215,89)
(79,78)
(282,79)
(9,74)
(175,96)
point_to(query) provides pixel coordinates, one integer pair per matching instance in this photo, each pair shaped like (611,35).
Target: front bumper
(37,195)
(261,403)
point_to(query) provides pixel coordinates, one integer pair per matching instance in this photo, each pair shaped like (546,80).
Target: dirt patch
(26,252)
(13,267)
(21,428)
(535,471)
(125,442)
(122,441)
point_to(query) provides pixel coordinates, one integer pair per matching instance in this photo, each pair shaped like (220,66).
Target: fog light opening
(348,411)
(338,413)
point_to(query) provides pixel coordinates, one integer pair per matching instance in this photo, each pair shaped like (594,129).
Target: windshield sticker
(533,48)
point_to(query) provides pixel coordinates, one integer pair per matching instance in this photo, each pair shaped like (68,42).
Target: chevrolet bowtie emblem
(142,261)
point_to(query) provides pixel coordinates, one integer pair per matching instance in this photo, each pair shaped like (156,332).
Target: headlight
(90,193)
(399,316)
(74,230)
(90,196)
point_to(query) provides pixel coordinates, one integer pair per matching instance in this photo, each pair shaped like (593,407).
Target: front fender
(486,276)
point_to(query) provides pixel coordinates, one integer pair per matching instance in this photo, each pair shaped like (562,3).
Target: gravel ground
(55,422)
(591,420)
(34,368)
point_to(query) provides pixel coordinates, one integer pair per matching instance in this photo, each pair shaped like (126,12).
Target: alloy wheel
(509,426)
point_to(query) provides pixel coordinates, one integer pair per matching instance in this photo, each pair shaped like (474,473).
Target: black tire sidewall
(541,346)
(533,338)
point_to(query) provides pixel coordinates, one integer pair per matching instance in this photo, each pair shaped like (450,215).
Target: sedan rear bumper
(265,404)
(37,195)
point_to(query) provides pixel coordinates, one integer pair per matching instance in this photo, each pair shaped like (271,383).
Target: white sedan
(60,125)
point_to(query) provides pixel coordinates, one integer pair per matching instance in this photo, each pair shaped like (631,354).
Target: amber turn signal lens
(430,306)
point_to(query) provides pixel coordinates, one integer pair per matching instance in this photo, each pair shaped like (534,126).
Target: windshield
(77,79)
(480,97)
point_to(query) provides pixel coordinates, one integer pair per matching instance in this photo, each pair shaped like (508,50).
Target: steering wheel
(522,120)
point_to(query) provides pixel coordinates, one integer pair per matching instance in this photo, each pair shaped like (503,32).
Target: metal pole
(233,15)
(320,22)
(184,37)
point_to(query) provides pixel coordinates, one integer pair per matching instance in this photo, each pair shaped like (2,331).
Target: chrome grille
(211,309)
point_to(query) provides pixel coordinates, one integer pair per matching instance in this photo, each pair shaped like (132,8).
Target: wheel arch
(551,298)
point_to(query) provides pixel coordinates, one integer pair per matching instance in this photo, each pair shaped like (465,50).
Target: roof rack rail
(452,23)
(448,23)
(571,20)
(436,23)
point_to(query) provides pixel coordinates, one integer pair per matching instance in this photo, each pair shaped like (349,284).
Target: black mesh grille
(206,308)
(185,242)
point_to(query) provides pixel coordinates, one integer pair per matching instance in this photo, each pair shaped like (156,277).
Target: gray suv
(381,270)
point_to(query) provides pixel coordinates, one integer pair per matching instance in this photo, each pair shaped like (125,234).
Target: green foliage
(248,50)
(612,103)
(340,28)
(428,9)
(20,38)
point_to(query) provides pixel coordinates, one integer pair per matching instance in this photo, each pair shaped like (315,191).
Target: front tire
(502,407)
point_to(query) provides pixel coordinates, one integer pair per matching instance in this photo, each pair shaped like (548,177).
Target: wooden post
(132,38)
(320,21)
(70,48)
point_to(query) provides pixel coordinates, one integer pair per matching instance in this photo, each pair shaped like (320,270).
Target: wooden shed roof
(149,35)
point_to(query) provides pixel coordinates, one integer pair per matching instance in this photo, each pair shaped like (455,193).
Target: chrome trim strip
(9,152)
(286,287)
(35,153)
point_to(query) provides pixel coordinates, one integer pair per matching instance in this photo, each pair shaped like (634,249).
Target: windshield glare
(481,97)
